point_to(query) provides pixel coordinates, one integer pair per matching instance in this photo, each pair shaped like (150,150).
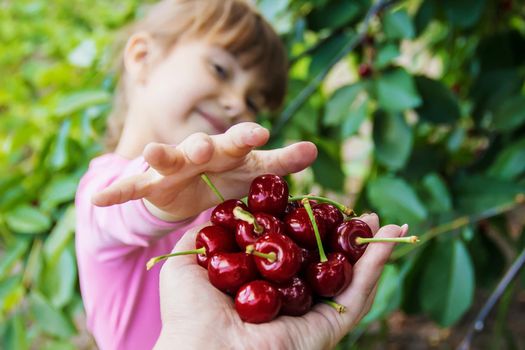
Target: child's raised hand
(172,187)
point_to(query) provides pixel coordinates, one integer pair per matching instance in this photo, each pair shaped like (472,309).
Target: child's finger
(240,139)
(131,188)
(197,148)
(287,160)
(165,159)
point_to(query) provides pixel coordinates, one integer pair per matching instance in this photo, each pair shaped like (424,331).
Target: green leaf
(477,193)
(510,162)
(398,25)
(61,189)
(439,104)
(338,107)
(392,139)
(60,278)
(464,13)
(447,285)
(509,83)
(27,219)
(11,294)
(60,236)
(325,53)
(327,167)
(396,200)
(389,293)
(84,54)
(58,155)
(510,114)
(385,55)
(48,318)
(13,253)
(34,265)
(15,334)
(396,91)
(334,14)
(456,139)
(438,198)
(58,345)
(424,15)
(354,119)
(79,100)
(305,120)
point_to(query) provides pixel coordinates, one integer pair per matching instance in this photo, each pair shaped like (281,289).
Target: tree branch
(458,223)
(295,104)
(479,323)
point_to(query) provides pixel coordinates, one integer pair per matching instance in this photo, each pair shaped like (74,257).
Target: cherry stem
(344,209)
(206,179)
(248,217)
(250,249)
(308,208)
(338,307)
(409,239)
(156,259)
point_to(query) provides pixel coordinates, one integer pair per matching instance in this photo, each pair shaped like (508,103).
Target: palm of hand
(193,310)
(228,159)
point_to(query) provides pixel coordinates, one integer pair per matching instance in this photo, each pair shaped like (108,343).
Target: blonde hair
(234,25)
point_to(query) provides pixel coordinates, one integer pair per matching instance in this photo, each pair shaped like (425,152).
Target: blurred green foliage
(440,102)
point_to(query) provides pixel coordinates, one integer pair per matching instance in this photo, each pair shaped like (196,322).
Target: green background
(434,133)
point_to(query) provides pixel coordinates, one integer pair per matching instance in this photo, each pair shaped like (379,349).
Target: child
(190,70)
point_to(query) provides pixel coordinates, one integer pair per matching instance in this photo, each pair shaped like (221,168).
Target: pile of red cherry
(269,254)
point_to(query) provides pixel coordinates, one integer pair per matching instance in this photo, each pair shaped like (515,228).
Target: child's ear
(138,55)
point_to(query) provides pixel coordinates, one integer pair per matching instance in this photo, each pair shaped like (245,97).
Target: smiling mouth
(216,123)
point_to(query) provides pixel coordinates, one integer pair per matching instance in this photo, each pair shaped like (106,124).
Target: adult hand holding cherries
(197,315)
(229,159)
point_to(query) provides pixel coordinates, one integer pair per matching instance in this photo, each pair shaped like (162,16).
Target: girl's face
(195,87)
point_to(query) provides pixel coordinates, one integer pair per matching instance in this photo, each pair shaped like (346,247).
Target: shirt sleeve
(128,225)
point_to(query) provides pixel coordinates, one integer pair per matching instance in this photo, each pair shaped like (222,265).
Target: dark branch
(479,323)
(294,106)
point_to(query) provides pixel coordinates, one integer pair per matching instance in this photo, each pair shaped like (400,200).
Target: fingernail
(404,230)
(258,130)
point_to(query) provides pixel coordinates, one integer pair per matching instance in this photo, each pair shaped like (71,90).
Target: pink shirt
(113,244)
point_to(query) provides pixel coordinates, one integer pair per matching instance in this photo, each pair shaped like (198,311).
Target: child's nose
(233,104)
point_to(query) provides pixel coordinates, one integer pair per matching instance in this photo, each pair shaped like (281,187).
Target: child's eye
(220,71)
(252,106)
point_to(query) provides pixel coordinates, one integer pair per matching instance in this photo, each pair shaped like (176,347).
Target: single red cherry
(330,214)
(343,239)
(291,206)
(270,223)
(276,256)
(299,227)
(251,227)
(268,194)
(258,302)
(296,296)
(368,40)
(352,237)
(331,277)
(308,256)
(210,240)
(214,239)
(223,216)
(365,70)
(229,271)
